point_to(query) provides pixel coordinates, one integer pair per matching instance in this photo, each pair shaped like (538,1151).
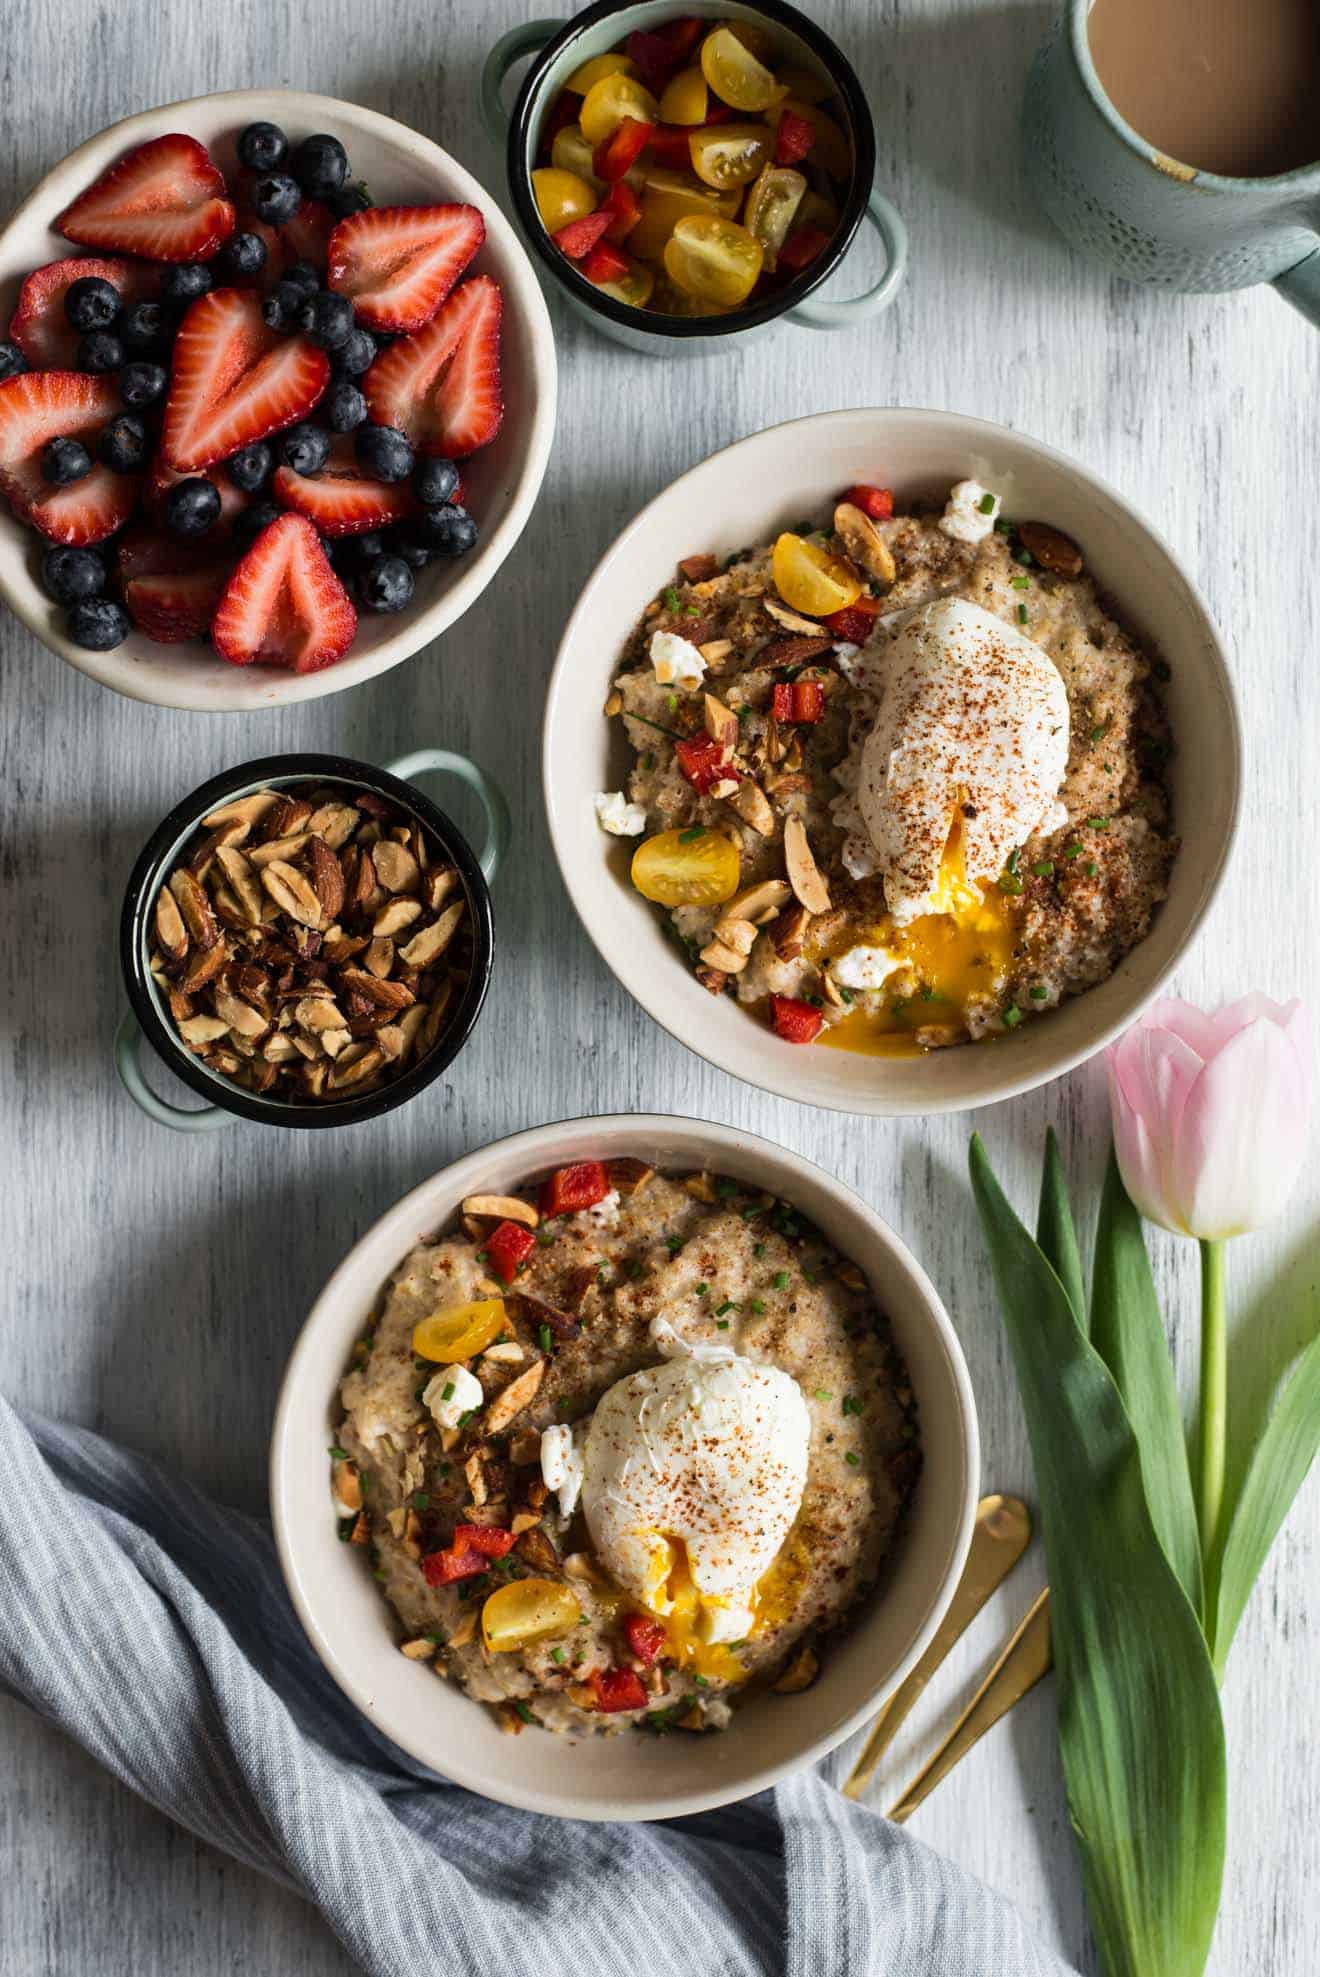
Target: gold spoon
(1003,1528)
(1025,1657)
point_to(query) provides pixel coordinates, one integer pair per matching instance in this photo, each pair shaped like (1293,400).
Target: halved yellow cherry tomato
(685,98)
(678,869)
(527,1610)
(590,73)
(634,288)
(725,155)
(831,149)
(771,205)
(809,579)
(807,85)
(570,152)
(458,1330)
(609,101)
(561,196)
(667,198)
(714,259)
(670,301)
(756,38)
(735,74)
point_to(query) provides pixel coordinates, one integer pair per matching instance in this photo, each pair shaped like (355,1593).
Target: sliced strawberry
(442,386)
(307,234)
(397,264)
(234,380)
(162,478)
(284,605)
(341,499)
(165,201)
(172,606)
(145,552)
(624,209)
(39,326)
(579,237)
(39,406)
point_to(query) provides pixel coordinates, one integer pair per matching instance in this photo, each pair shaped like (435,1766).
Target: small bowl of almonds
(307,941)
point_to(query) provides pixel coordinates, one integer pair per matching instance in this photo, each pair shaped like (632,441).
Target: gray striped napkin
(153,1627)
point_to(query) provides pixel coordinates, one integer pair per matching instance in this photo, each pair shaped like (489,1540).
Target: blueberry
(70,575)
(344,406)
(434,480)
(64,461)
(142,327)
(247,526)
(450,531)
(408,542)
(191,507)
(384,452)
(304,276)
(12,361)
(124,444)
(304,447)
(386,584)
(242,255)
(98,623)
(355,356)
(368,545)
(184,282)
(249,468)
(276,198)
(262,147)
(280,309)
(320,165)
(90,303)
(100,350)
(142,383)
(327,319)
(348,200)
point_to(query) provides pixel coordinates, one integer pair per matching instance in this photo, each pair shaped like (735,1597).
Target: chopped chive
(1025,557)
(448,1393)
(1039,994)
(701,1681)
(701,1290)
(673,1244)
(987,504)
(780,1280)
(670,599)
(436,1640)
(852,1458)
(691,610)
(1100,730)
(1099,823)
(757,1306)
(691,836)
(671,702)
(1012,1016)
(725,1188)
(544,1337)
(744,714)
(1090,868)
(648,760)
(1022,614)
(809,1277)
(421,1499)
(721,1324)
(851,1404)
(339,1454)
(1043,868)
(1020,583)
(823,1393)
(671,732)
(846,996)
(728,1305)
(465,1417)
(522,1710)
(758,1249)
(816,1001)
(1011,862)
(1010,882)
(1072,850)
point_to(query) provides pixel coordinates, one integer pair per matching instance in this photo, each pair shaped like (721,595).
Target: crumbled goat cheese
(616,815)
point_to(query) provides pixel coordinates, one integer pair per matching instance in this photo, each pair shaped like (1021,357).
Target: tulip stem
(1214,1396)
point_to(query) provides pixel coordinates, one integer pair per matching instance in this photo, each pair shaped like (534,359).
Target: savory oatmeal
(625,1448)
(901,780)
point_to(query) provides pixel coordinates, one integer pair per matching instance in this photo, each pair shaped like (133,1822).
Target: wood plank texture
(128,1242)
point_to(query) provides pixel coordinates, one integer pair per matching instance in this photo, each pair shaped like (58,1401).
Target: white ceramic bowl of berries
(277,393)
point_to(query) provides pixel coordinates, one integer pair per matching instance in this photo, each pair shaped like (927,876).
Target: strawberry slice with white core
(307,234)
(341,499)
(40,327)
(441,386)
(165,201)
(234,380)
(284,605)
(172,606)
(39,406)
(396,264)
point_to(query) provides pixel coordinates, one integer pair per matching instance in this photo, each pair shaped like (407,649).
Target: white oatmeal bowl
(1132,595)
(624,1775)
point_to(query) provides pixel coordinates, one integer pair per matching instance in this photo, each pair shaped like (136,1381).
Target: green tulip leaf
(1055,1232)
(1276,1471)
(1140,1732)
(1127,1331)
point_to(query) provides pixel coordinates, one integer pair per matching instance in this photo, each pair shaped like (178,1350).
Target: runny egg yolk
(686,1615)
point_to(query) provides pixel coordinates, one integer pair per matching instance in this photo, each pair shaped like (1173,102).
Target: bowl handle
(128,1063)
(510,48)
(814,314)
(489,794)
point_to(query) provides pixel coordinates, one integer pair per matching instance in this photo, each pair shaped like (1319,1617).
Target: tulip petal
(1243,1133)
(1185,1020)
(1235,1016)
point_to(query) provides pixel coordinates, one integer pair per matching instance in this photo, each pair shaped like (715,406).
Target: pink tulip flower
(1211,1113)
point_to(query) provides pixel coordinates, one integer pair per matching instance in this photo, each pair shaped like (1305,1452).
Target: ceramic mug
(1147,216)
(560,46)
(146,1020)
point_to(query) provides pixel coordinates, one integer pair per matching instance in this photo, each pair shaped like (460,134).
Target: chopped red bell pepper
(670,147)
(854,622)
(781,702)
(646,1637)
(800,249)
(455,1561)
(579,237)
(803,701)
(794,1021)
(618,1688)
(616,154)
(562,112)
(605,263)
(491,1540)
(624,209)
(508,1247)
(682,35)
(718,113)
(877,502)
(704,763)
(571,1189)
(654,56)
(793,139)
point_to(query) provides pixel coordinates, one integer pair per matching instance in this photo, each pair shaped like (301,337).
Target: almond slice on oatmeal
(792,621)
(864,543)
(724,959)
(419,1650)
(758,903)
(803,872)
(752,804)
(503,1208)
(519,1393)
(720,722)
(628,1176)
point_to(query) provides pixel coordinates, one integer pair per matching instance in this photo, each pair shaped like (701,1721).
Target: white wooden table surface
(159,1281)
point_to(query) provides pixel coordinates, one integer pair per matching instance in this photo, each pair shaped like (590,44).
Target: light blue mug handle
(1301,287)
(510,48)
(424,761)
(815,313)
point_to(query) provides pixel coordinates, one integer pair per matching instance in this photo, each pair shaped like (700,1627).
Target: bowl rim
(518,151)
(117,669)
(304,1369)
(655,992)
(148,876)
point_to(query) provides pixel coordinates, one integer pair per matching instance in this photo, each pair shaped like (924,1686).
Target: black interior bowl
(157,861)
